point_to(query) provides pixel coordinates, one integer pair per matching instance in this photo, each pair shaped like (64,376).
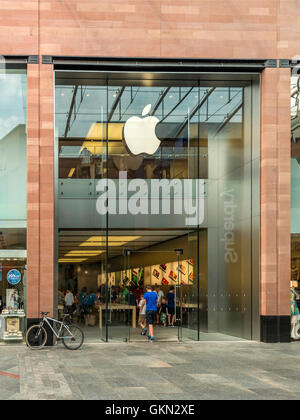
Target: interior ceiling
(90,246)
(175,106)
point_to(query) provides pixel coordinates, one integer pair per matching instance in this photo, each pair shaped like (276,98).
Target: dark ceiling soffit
(157,64)
(21,59)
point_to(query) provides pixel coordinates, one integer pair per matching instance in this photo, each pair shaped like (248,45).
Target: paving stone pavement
(169,371)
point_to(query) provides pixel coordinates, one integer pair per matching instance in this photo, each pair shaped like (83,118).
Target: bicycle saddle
(45,313)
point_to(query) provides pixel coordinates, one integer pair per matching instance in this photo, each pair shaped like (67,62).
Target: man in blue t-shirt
(150,300)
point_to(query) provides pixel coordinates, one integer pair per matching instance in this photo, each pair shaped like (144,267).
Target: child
(142,315)
(163,311)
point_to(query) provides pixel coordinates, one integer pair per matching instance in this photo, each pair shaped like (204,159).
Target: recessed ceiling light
(62,94)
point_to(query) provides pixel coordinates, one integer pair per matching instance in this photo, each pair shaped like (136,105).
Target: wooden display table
(116,307)
(187,305)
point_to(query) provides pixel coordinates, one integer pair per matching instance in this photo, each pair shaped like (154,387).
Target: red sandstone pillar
(275,196)
(40,216)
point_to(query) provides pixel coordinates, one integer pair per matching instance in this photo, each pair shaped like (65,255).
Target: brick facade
(252,29)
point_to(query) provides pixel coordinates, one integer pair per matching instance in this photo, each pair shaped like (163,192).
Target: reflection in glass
(204,131)
(13,148)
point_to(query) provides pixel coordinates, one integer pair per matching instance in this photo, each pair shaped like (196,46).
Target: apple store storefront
(157,183)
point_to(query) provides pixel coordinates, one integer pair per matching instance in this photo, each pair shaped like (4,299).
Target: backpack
(87,301)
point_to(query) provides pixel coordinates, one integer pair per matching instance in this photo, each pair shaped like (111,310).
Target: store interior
(12,257)
(206,133)
(151,261)
(12,283)
(135,259)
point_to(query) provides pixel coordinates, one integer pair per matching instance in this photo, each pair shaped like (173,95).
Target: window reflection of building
(295,180)
(13,185)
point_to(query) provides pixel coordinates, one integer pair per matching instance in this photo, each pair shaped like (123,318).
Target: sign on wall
(14,277)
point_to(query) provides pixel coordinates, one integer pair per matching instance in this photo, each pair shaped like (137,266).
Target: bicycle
(71,336)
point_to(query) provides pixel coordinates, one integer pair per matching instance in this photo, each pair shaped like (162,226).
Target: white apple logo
(139,134)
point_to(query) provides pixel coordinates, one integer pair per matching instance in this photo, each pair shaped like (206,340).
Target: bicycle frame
(57,335)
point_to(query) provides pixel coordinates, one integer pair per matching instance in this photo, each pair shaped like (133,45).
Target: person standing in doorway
(150,300)
(88,304)
(160,295)
(171,307)
(142,316)
(81,296)
(163,311)
(69,301)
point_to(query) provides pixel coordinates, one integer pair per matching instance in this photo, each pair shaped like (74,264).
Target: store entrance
(164,266)
(126,319)
(116,266)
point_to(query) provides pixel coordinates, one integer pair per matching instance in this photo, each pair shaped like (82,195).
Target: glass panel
(13,204)
(190,287)
(13,146)
(81,139)
(148,259)
(81,270)
(170,157)
(229,217)
(295,183)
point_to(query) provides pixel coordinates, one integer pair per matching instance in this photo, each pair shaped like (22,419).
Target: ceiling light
(83,253)
(113,238)
(71,173)
(103,243)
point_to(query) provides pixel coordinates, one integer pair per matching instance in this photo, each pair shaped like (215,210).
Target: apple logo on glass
(139,134)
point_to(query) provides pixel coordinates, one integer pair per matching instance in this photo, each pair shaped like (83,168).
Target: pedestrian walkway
(168,371)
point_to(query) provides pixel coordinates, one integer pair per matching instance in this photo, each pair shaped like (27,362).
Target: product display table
(117,307)
(187,305)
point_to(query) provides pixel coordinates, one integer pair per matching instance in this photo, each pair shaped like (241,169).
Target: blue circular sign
(14,277)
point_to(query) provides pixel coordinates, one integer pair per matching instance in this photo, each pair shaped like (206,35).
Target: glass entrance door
(163,271)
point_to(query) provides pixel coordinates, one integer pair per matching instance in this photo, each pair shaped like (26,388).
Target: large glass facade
(13,202)
(158,183)
(295,181)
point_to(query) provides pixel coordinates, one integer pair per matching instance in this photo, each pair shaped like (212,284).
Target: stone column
(275,205)
(40,223)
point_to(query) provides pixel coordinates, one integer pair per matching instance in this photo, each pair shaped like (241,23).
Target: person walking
(150,300)
(171,307)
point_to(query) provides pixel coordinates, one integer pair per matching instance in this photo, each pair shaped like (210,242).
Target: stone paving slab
(159,371)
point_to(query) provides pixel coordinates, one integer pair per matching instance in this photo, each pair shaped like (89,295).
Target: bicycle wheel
(36,337)
(74,340)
